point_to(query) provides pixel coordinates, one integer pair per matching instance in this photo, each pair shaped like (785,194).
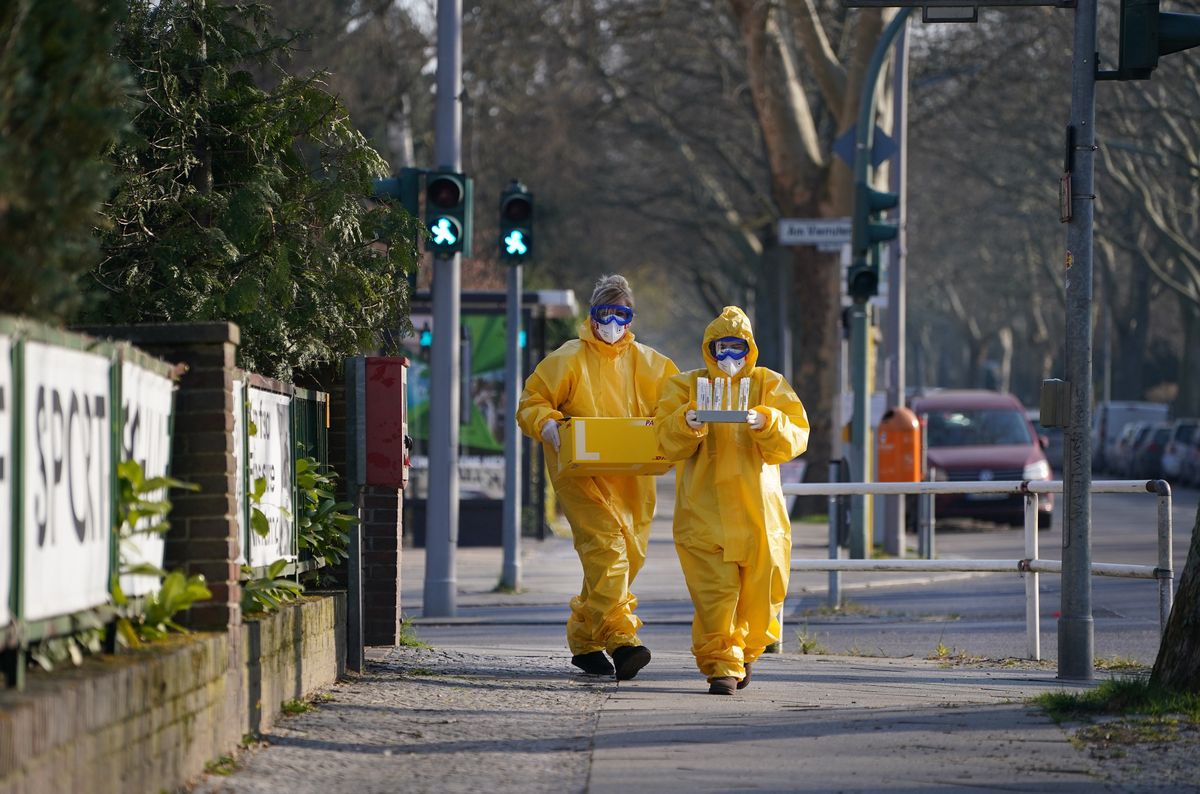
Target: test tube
(744,395)
(703,394)
(718,393)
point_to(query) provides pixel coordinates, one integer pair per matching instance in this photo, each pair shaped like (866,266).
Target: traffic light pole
(441,530)
(859,313)
(1075,626)
(897,306)
(510,574)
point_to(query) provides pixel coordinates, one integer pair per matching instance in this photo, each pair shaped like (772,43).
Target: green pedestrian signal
(516,223)
(514,243)
(448,204)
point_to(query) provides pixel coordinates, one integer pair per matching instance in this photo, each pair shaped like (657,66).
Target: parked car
(1110,418)
(1147,453)
(982,435)
(1122,457)
(1191,462)
(1179,444)
(1052,441)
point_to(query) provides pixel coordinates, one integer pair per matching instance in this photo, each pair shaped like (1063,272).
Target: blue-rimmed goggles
(729,347)
(606,313)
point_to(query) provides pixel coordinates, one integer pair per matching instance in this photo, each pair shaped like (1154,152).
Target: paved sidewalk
(493,705)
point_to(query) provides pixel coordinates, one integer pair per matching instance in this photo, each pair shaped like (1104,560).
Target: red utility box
(898,446)
(387,421)
(379,448)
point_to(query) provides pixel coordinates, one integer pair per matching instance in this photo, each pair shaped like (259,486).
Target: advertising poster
(146,399)
(481,435)
(270,446)
(66,469)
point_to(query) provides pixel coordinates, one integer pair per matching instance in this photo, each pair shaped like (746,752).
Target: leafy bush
(270,591)
(247,203)
(324,526)
(62,103)
(142,508)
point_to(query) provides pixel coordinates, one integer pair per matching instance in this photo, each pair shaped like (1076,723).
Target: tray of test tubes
(716,402)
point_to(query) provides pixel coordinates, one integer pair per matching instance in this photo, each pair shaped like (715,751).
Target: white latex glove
(692,421)
(756,419)
(550,433)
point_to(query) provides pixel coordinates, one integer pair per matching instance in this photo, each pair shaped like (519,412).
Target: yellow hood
(731,322)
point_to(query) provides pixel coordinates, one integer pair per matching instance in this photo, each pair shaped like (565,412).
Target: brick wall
(382,530)
(382,520)
(203,537)
(150,721)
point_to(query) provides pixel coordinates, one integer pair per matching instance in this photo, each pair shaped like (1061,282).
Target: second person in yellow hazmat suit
(731,528)
(602,373)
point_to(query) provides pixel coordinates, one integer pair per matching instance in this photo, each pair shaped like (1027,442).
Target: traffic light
(1147,33)
(516,223)
(448,203)
(862,280)
(405,187)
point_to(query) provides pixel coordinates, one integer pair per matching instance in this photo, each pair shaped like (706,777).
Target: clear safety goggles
(606,313)
(729,347)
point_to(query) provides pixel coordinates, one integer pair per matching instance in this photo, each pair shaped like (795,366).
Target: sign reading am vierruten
(67,510)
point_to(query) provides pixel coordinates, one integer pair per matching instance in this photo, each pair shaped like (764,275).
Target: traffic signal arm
(1146,34)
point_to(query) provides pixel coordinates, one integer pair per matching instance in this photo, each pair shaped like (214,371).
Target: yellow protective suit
(610,516)
(732,530)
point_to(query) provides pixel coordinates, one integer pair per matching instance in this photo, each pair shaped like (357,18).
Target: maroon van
(983,435)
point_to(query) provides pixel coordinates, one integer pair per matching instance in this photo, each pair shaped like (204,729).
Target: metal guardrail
(1030,566)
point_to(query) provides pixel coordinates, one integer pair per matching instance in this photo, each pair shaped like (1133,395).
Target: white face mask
(731,366)
(610,332)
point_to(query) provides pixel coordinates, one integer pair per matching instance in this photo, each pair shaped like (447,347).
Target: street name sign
(814,231)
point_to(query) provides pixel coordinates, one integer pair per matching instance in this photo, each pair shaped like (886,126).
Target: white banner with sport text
(270,447)
(67,470)
(146,400)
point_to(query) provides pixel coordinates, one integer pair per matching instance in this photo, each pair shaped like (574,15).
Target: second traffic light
(448,205)
(516,223)
(862,280)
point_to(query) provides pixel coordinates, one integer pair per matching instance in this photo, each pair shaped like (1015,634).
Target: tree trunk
(1134,323)
(1178,664)
(1188,401)
(816,298)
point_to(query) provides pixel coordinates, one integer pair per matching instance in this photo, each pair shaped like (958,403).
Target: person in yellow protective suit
(604,372)
(731,526)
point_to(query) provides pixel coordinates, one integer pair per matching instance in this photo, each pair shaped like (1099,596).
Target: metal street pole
(510,576)
(1075,628)
(897,308)
(859,324)
(441,531)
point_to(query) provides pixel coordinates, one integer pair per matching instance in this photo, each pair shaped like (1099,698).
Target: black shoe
(745,682)
(594,663)
(725,685)
(629,659)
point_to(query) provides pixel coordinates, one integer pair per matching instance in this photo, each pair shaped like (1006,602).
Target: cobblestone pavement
(424,720)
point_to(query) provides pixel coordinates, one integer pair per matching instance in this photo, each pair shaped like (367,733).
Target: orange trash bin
(898,446)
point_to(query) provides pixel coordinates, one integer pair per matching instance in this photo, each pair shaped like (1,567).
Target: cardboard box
(608,445)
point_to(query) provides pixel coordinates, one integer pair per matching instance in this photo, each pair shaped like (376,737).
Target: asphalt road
(893,615)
